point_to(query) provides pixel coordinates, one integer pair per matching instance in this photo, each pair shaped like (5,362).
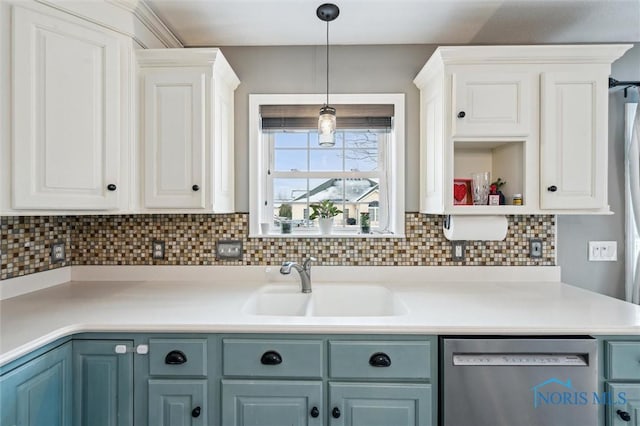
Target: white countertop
(434,307)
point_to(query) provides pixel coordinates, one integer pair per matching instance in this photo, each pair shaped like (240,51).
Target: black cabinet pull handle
(380,359)
(271,358)
(462,114)
(195,187)
(315,412)
(196,412)
(335,413)
(175,358)
(112,187)
(624,415)
(552,188)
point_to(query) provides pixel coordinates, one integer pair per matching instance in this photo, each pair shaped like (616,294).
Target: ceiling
(294,22)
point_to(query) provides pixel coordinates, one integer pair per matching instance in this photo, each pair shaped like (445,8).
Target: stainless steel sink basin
(326,300)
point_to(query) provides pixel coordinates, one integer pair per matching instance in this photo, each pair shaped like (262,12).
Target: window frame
(259,158)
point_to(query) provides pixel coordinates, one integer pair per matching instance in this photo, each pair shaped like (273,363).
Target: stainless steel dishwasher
(519,382)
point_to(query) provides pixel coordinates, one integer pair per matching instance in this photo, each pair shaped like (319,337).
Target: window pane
(291,139)
(325,159)
(286,160)
(287,190)
(361,152)
(362,160)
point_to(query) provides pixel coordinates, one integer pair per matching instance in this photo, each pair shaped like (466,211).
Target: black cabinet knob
(380,359)
(462,114)
(624,415)
(315,412)
(196,412)
(195,187)
(335,413)
(552,188)
(271,358)
(112,187)
(175,358)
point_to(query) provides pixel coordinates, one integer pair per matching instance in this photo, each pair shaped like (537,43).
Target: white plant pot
(325,223)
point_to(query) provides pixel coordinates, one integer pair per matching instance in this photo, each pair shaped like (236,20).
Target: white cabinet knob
(121,349)
(142,349)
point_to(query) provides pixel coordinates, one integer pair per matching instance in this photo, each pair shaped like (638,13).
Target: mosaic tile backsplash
(191,239)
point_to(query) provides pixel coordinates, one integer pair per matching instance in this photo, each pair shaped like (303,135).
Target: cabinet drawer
(390,359)
(178,357)
(272,358)
(623,360)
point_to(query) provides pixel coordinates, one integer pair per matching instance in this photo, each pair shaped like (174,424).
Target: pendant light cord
(327,102)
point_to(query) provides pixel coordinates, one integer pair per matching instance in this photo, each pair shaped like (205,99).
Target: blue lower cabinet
(379,404)
(174,402)
(272,403)
(39,393)
(624,406)
(102,383)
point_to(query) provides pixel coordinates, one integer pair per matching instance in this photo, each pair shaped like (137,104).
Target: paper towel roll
(483,228)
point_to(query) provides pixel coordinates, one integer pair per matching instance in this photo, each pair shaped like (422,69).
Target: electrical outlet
(58,254)
(157,248)
(229,250)
(458,250)
(603,251)
(535,247)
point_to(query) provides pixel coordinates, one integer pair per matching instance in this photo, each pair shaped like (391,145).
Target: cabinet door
(102,383)
(65,114)
(178,403)
(367,404)
(623,408)
(39,392)
(573,143)
(174,138)
(272,403)
(492,104)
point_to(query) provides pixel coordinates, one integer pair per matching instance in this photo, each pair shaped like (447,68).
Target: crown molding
(147,17)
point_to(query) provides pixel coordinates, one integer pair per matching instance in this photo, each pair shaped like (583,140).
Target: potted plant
(365,227)
(325,211)
(285,212)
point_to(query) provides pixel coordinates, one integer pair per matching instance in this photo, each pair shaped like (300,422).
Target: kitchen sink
(326,300)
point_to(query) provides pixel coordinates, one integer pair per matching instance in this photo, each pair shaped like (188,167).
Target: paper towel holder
(475,227)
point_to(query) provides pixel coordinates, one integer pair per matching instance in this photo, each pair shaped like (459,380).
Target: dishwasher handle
(520,359)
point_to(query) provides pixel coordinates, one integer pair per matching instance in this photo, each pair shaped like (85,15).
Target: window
(362,173)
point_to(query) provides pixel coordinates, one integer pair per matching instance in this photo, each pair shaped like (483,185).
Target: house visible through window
(291,172)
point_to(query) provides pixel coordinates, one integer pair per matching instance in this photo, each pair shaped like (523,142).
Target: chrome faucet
(304,271)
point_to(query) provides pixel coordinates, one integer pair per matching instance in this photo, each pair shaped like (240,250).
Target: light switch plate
(535,248)
(58,254)
(229,250)
(603,251)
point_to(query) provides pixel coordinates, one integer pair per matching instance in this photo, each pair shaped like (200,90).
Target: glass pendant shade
(327,126)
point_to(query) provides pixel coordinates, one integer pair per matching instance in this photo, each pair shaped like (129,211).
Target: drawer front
(623,360)
(272,358)
(178,357)
(365,360)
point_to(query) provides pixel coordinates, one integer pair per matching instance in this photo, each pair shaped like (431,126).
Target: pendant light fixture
(327,121)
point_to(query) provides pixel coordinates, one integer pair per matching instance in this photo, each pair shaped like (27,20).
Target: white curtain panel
(632,166)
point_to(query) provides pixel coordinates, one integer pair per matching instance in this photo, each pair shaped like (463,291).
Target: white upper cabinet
(187,130)
(573,149)
(66,139)
(174,139)
(534,116)
(491,103)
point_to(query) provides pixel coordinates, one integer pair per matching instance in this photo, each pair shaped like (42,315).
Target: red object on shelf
(462,192)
